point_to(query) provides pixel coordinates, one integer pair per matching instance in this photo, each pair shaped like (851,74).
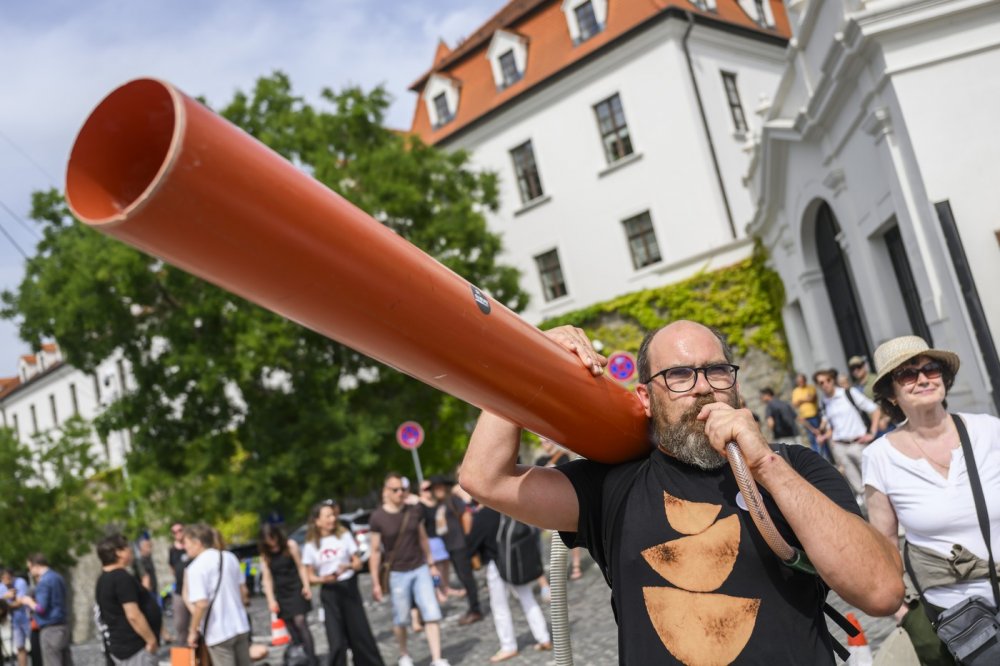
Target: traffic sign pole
(416,464)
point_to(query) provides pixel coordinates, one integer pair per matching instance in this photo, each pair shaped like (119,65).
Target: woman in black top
(283,579)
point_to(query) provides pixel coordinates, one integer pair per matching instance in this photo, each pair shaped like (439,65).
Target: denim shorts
(413,587)
(21,631)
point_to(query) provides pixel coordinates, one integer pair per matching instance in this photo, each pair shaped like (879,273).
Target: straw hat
(892,354)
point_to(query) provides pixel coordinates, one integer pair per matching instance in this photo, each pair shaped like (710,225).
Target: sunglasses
(905,376)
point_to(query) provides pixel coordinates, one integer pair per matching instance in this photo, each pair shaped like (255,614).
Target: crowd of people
(417,542)
(664,530)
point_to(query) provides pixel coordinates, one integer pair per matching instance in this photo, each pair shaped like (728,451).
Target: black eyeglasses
(720,376)
(930,370)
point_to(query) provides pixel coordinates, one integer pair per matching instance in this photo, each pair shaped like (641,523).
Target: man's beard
(685,439)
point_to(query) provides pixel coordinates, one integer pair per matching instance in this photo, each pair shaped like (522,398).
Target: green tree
(49,495)
(236,408)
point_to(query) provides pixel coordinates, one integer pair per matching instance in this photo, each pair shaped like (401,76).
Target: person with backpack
(850,423)
(512,554)
(780,416)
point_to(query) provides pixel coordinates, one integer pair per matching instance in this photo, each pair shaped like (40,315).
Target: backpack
(519,553)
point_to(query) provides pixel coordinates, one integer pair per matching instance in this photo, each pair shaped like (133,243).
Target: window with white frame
(733,99)
(551,275)
(614,130)
(508,56)
(441,109)
(526,170)
(508,69)
(759,11)
(441,99)
(642,240)
(585,18)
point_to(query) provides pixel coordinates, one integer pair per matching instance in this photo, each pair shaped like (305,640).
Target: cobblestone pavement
(594,637)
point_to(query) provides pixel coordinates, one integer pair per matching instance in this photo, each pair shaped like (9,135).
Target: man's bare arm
(539,496)
(535,495)
(852,557)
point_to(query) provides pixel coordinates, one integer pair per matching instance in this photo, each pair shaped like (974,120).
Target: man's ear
(642,390)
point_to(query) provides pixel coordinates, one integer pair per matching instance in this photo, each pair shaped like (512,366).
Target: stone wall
(82,580)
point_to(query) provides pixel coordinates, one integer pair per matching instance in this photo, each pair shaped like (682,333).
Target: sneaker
(405,660)
(440,662)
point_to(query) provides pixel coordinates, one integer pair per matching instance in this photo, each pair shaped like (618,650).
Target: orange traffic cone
(861,654)
(279,632)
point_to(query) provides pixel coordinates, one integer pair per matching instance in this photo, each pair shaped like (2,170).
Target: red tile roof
(551,50)
(8,384)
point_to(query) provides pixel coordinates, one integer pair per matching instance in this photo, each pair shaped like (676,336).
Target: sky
(59,58)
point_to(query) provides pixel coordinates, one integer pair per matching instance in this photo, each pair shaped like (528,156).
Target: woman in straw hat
(916,476)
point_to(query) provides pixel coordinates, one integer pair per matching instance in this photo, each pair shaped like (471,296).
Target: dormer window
(508,69)
(585,18)
(586,21)
(508,56)
(759,11)
(444,114)
(441,98)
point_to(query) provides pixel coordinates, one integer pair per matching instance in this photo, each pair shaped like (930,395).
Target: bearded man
(693,581)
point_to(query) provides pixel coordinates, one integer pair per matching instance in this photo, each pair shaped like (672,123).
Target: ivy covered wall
(743,301)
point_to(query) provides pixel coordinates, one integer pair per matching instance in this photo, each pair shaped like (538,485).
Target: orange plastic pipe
(159,171)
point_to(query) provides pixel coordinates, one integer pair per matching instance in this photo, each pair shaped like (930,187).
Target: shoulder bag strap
(865,417)
(218,584)
(909,569)
(977,494)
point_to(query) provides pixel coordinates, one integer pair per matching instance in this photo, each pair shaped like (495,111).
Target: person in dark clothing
(129,615)
(451,522)
(178,559)
(483,540)
(781,417)
(286,585)
(683,560)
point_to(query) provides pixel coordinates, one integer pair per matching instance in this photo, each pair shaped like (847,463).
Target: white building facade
(875,181)
(618,130)
(47,391)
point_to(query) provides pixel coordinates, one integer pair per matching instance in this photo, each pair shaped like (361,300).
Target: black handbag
(971,628)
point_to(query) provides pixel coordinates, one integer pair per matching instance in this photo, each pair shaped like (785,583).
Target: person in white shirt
(227,629)
(917,477)
(331,560)
(843,427)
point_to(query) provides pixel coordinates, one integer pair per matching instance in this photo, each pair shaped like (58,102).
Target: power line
(13,242)
(41,169)
(24,225)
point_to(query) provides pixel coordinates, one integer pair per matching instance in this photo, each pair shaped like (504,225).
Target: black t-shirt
(118,587)
(179,560)
(717,593)
(784,416)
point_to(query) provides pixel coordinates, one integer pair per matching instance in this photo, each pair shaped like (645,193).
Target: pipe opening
(120,150)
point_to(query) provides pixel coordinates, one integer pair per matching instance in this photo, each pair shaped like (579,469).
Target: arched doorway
(840,286)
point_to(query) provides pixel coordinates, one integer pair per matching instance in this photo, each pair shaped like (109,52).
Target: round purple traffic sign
(410,435)
(621,366)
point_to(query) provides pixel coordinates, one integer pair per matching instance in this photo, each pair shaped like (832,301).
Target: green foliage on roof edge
(743,301)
